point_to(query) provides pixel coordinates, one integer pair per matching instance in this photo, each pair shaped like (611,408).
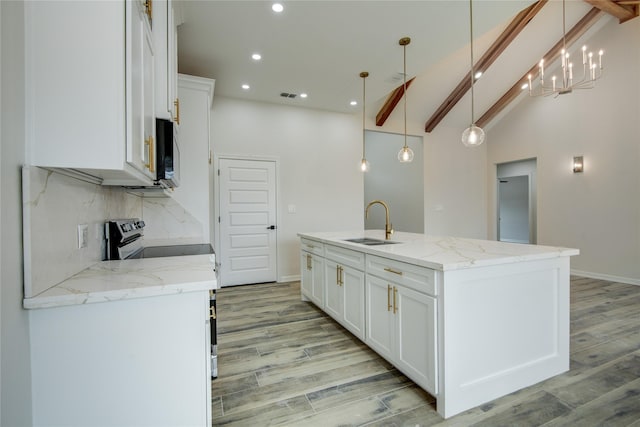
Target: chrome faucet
(388,230)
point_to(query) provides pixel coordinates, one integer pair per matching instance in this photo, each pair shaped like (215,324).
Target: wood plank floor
(284,362)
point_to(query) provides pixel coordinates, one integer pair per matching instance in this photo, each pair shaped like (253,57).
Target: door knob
(271,227)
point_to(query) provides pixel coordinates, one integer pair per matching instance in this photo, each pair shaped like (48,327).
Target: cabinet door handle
(391,270)
(150,154)
(308,262)
(176,104)
(338,275)
(395,295)
(388,297)
(148,6)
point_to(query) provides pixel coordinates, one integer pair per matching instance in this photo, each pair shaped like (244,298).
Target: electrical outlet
(83,236)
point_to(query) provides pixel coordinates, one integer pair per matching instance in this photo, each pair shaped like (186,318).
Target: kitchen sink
(368,241)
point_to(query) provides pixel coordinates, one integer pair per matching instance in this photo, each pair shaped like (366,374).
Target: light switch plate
(83,236)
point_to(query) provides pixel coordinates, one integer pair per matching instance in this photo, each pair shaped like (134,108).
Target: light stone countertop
(441,252)
(127,279)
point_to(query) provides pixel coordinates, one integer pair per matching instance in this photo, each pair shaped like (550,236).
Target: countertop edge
(116,295)
(550,253)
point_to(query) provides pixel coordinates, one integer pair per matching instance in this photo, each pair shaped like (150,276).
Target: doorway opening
(517,202)
(400,185)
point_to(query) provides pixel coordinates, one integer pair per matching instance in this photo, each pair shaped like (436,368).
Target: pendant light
(364,164)
(405,155)
(473,135)
(590,71)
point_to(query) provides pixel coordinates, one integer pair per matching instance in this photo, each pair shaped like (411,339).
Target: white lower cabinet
(132,362)
(344,291)
(388,304)
(312,283)
(401,327)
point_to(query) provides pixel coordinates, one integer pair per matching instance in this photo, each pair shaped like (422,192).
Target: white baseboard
(608,277)
(291,278)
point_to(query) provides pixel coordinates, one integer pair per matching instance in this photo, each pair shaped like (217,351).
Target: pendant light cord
(404,88)
(364,103)
(472,76)
(564,35)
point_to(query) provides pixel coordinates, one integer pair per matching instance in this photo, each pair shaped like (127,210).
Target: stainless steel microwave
(167,155)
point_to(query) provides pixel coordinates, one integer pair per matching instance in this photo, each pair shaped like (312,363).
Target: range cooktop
(174,250)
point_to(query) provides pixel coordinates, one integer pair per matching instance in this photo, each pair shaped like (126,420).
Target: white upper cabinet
(90,89)
(165,32)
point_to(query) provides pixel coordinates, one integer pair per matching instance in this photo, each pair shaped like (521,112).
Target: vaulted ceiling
(320,48)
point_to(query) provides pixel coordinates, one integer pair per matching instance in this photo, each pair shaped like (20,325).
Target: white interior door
(248,238)
(513,209)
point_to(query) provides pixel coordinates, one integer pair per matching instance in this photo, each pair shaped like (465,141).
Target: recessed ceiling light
(277,7)
(256,57)
(303,95)
(524,86)
(246,86)
(353,103)
(478,75)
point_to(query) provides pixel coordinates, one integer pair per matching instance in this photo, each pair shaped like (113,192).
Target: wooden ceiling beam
(391,103)
(508,35)
(574,34)
(618,10)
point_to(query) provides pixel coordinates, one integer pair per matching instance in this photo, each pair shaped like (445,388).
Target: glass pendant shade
(472,136)
(364,165)
(405,155)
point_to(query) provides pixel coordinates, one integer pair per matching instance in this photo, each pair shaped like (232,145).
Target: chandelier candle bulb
(571,71)
(600,57)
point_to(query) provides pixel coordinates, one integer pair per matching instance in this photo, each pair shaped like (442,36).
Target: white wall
(318,158)
(597,211)
(15,369)
(455,185)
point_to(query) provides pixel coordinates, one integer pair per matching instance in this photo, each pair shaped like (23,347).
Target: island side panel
(137,362)
(502,328)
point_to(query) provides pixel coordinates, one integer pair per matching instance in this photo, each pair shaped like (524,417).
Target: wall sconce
(578,164)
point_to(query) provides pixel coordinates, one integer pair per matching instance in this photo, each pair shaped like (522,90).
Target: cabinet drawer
(312,246)
(345,256)
(421,279)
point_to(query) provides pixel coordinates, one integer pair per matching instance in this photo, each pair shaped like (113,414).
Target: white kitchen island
(124,343)
(468,320)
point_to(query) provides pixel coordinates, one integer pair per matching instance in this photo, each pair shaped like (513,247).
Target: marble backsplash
(168,222)
(55,204)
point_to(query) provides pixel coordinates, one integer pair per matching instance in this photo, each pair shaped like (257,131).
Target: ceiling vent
(288,95)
